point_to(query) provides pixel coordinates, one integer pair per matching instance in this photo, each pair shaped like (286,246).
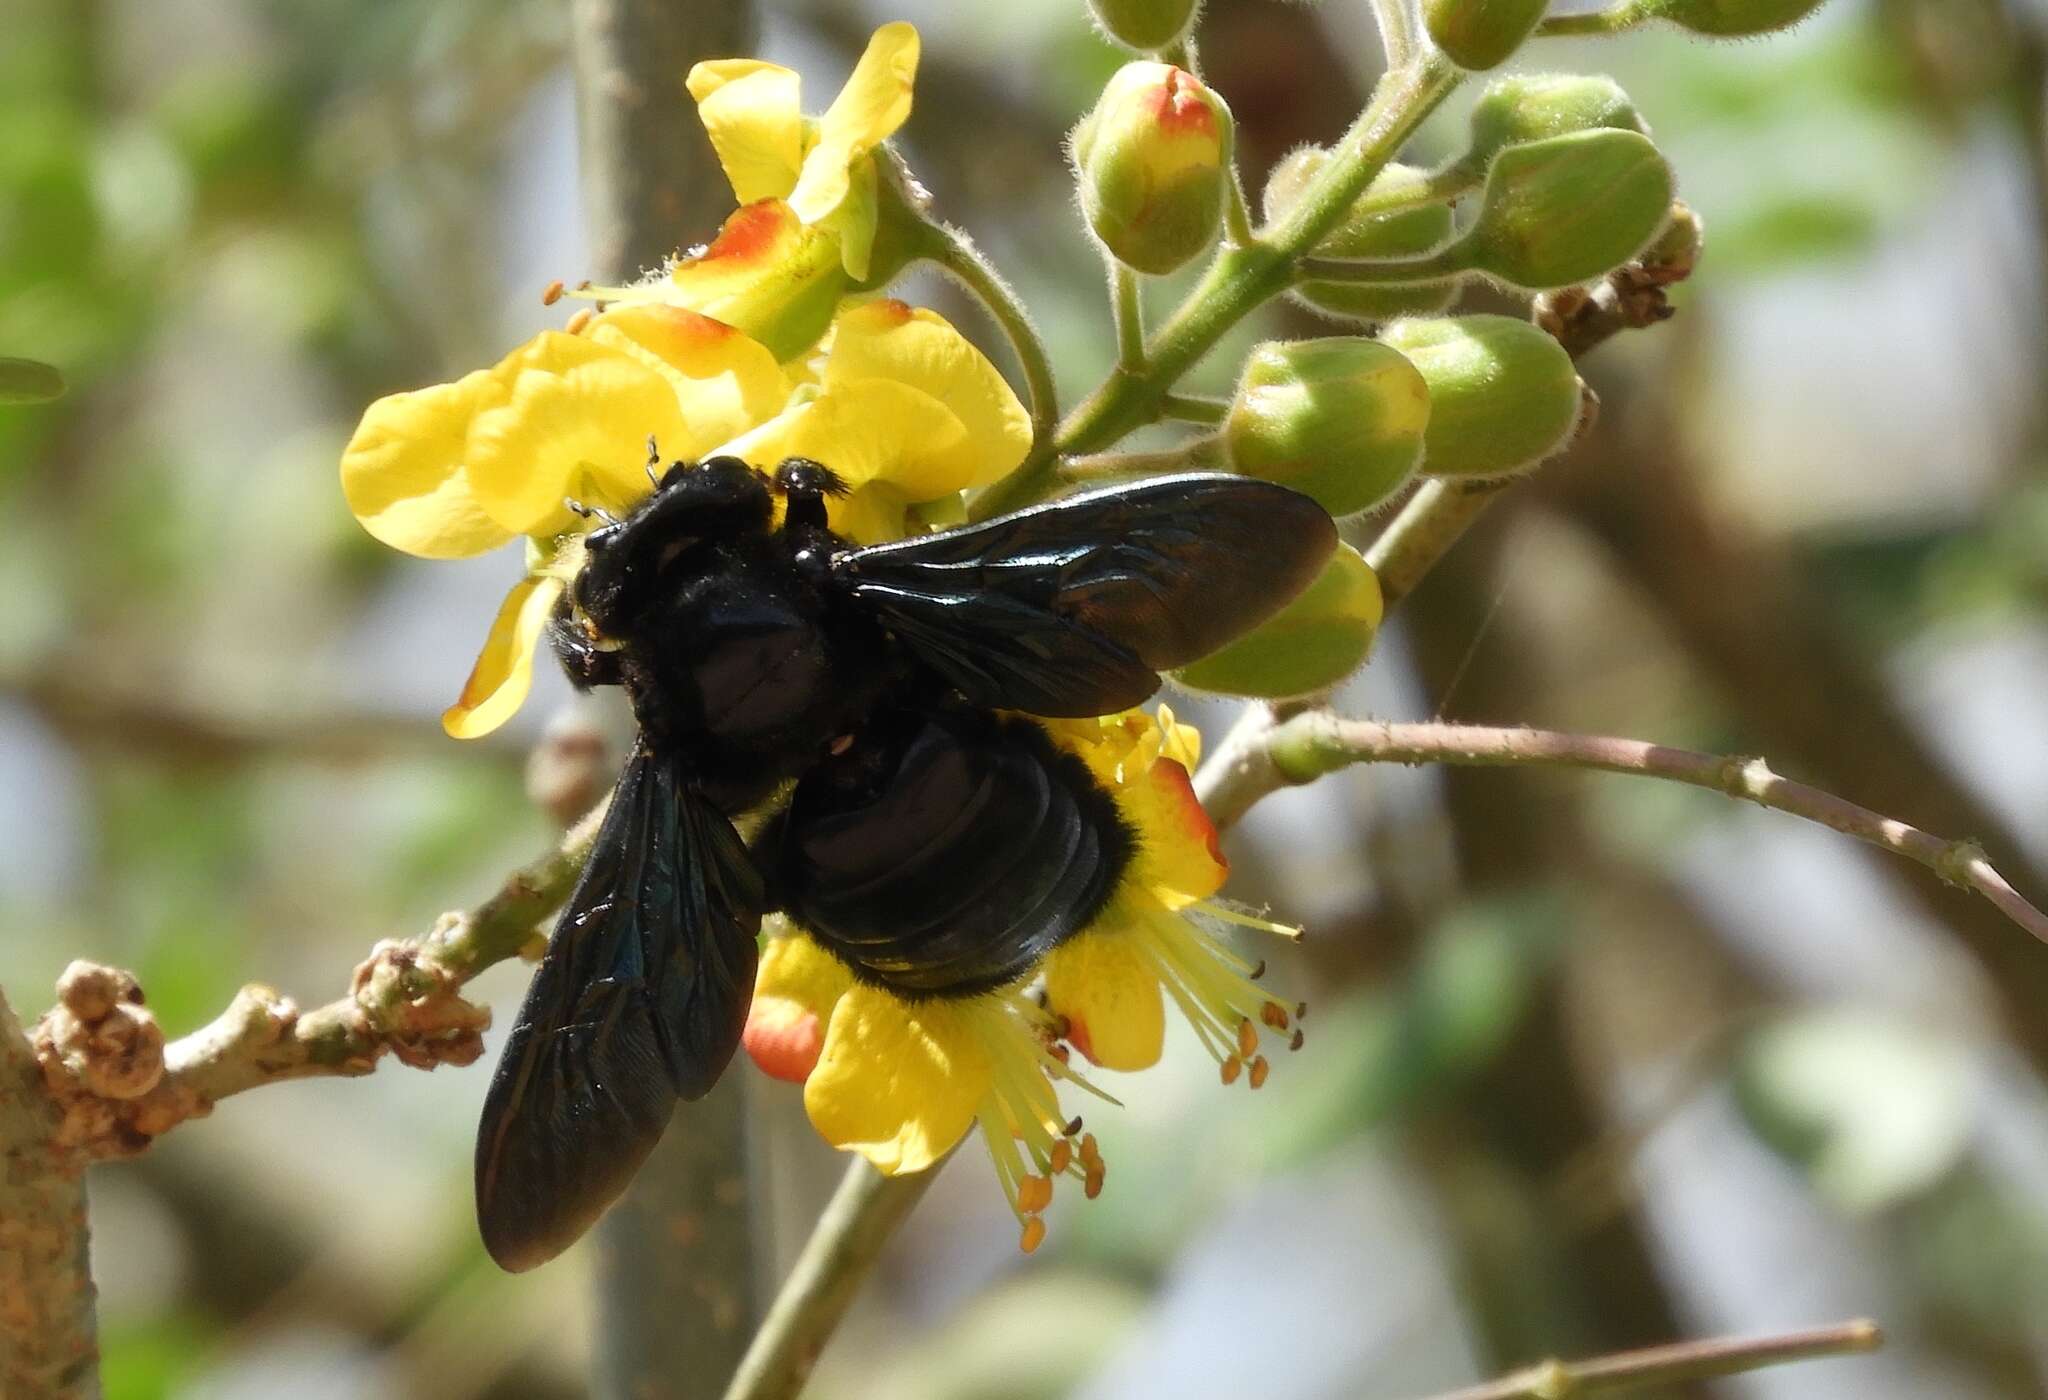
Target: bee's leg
(586,663)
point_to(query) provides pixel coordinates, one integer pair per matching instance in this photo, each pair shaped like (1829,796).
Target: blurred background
(1591,1063)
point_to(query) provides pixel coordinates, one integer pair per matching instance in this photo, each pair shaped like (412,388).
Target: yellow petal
(765,274)
(725,381)
(751,113)
(854,222)
(872,431)
(884,339)
(403,471)
(1101,982)
(1180,853)
(503,673)
(868,110)
(898,1082)
(574,421)
(795,990)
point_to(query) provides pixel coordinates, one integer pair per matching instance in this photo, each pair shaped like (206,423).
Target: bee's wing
(1073,607)
(639,1001)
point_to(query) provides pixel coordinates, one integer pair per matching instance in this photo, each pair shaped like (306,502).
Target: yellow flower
(1156,939)
(901,1081)
(897,401)
(823,170)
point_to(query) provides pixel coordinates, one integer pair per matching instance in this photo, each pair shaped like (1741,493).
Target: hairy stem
(1308,746)
(954,251)
(1127,309)
(1673,1365)
(1613,20)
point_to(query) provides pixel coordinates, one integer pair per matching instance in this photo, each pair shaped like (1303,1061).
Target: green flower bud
(1339,419)
(1145,25)
(1480,34)
(1152,164)
(1309,645)
(1732,19)
(1568,209)
(1536,106)
(1502,394)
(1397,233)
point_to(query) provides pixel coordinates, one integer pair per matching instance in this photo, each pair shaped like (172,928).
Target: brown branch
(1668,1365)
(117,1086)
(1308,746)
(48,1339)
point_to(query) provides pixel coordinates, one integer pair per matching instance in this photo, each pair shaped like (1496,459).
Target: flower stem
(1237,282)
(1385,272)
(1194,408)
(1397,30)
(1127,307)
(863,1213)
(1674,1364)
(1613,20)
(954,251)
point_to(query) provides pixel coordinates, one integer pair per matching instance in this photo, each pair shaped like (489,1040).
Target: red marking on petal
(1179,106)
(751,234)
(1077,1036)
(1171,776)
(784,1038)
(891,310)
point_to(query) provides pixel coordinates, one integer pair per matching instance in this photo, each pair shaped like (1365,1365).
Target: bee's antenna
(653,461)
(576,507)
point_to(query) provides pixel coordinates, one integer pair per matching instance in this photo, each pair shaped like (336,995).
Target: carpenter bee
(933,841)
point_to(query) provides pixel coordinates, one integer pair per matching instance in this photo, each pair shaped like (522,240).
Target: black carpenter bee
(935,844)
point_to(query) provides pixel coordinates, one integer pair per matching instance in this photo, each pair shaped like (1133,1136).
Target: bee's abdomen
(945,853)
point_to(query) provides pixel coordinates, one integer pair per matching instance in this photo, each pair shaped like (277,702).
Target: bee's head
(633,563)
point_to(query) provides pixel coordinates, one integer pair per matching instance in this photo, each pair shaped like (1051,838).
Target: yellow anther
(1274,1015)
(1260,1069)
(1091,1155)
(1247,1038)
(1092,1186)
(582,318)
(1232,1067)
(1062,1156)
(553,293)
(1033,1236)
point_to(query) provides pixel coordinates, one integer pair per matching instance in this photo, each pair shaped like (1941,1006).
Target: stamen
(1091,1155)
(1062,1156)
(553,293)
(1260,1069)
(1247,1038)
(575,324)
(1295,1044)
(1034,1194)
(1074,1126)
(1092,1187)
(1033,1236)
(1274,1015)
(1231,1069)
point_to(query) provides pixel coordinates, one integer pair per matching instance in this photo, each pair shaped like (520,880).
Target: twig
(862,1215)
(1674,1364)
(48,1339)
(954,251)
(117,1087)
(1308,746)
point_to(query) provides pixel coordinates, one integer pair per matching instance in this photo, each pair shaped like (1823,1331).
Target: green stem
(1613,20)
(1127,307)
(1397,30)
(954,251)
(1201,454)
(1386,272)
(1194,408)
(1238,281)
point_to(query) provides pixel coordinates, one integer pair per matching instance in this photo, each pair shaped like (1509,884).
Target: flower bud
(1480,34)
(1536,106)
(1733,19)
(1311,644)
(1151,159)
(1397,233)
(1145,25)
(1568,209)
(1502,394)
(1339,419)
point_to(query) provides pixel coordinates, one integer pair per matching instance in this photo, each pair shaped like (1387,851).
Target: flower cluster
(775,341)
